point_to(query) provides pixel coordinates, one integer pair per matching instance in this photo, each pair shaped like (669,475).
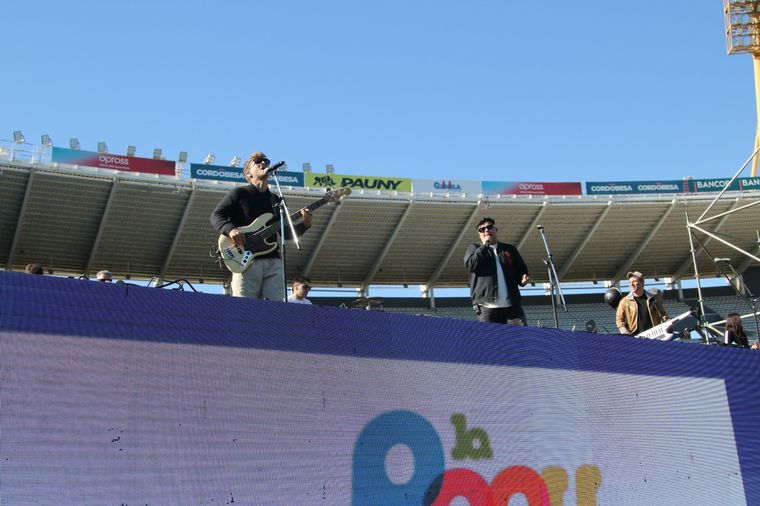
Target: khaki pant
(262,280)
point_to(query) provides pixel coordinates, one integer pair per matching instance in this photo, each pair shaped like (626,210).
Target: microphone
(540,227)
(275,166)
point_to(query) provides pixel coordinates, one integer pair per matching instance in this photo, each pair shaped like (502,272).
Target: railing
(24,152)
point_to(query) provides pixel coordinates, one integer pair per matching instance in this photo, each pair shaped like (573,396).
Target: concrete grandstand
(152,226)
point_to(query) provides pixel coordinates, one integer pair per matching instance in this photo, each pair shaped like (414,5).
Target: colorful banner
(716,185)
(446,186)
(358,182)
(633,187)
(115,162)
(235,174)
(530,188)
(362,415)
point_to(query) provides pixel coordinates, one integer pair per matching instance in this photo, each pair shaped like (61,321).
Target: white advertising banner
(446,186)
(109,421)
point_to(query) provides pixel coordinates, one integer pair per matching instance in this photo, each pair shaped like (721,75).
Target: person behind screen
(239,208)
(639,310)
(734,331)
(34,269)
(301,287)
(104,276)
(497,271)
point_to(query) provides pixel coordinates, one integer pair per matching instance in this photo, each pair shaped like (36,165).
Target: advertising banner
(362,415)
(235,174)
(716,185)
(358,182)
(111,161)
(530,188)
(446,186)
(633,187)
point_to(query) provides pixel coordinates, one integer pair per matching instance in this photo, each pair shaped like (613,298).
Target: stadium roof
(143,226)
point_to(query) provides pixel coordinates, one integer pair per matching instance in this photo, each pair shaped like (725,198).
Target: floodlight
(306,167)
(131,150)
(46,140)
(742,22)
(102,148)
(182,156)
(329,168)
(210,159)
(18,137)
(157,154)
(74,144)
(235,162)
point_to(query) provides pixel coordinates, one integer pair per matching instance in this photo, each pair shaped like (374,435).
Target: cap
(634,273)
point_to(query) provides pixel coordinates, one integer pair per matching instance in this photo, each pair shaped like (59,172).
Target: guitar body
(261,238)
(238,260)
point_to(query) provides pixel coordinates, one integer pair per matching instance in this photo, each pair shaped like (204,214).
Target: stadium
(162,388)
(152,229)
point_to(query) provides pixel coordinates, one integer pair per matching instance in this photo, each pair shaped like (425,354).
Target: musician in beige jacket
(639,310)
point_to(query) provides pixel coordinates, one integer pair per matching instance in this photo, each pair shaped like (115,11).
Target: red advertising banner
(530,188)
(115,162)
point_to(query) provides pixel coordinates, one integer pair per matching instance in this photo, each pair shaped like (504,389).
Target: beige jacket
(627,312)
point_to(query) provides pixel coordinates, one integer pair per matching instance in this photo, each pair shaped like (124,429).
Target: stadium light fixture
(18,137)
(742,22)
(157,154)
(102,148)
(329,168)
(210,159)
(182,156)
(74,144)
(306,167)
(235,162)
(46,140)
(131,150)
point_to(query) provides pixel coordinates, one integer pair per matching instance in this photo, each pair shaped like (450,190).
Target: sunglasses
(486,227)
(263,161)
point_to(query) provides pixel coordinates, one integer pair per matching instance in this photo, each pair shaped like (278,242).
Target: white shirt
(501,283)
(292,298)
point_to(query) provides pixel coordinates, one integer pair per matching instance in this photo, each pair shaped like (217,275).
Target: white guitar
(257,235)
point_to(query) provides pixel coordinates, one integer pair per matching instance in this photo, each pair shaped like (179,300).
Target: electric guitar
(257,234)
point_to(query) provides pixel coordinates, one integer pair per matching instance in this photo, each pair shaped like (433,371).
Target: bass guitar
(261,238)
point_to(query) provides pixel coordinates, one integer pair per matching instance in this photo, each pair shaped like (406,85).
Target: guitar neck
(271,229)
(314,205)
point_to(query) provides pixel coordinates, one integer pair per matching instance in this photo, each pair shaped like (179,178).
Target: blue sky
(482,90)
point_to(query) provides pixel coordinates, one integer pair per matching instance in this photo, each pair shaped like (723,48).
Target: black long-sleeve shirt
(241,206)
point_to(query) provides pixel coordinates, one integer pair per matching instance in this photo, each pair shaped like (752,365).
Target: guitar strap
(275,205)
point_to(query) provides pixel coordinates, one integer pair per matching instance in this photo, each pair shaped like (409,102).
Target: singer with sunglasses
(241,206)
(497,271)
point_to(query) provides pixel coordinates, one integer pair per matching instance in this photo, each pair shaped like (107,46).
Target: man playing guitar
(263,279)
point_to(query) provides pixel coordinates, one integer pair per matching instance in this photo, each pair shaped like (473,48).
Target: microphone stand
(553,278)
(284,213)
